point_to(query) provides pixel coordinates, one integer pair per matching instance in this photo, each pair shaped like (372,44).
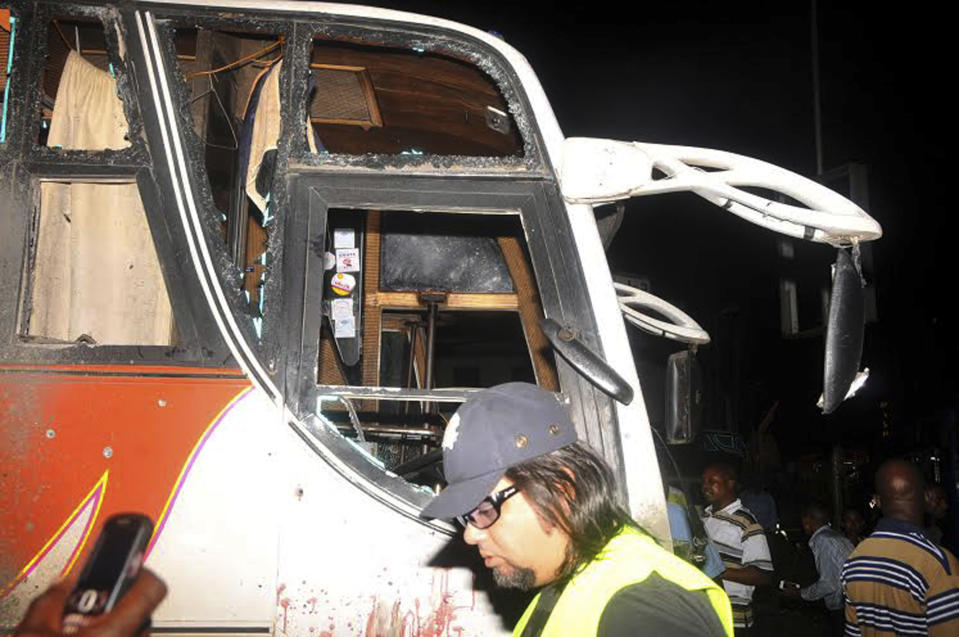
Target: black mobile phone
(110,570)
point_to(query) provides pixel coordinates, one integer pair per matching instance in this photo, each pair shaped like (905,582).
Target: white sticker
(348,260)
(343,284)
(344,238)
(345,328)
(329,261)
(341,311)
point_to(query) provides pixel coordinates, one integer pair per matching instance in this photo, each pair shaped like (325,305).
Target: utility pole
(836,486)
(816,109)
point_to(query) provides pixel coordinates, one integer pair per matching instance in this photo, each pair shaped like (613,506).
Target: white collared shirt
(830,549)
(741,542)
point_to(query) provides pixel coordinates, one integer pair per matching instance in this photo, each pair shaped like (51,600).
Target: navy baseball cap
(495,429)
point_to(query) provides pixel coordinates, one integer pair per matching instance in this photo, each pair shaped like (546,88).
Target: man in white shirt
(740,540)
(830,549)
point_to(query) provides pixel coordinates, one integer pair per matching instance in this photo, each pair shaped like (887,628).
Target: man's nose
(473,535)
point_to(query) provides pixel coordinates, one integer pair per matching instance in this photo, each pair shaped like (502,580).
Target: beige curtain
(266,130)
(96,272)
(88,114)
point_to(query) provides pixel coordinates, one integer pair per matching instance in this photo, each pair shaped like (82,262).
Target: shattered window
(420,303)
(381,100)
(234,102)
(94,275)
(79,105)
(8,38)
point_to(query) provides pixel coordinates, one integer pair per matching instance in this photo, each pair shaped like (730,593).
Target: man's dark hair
(725,469)
(817,511)
(573,489)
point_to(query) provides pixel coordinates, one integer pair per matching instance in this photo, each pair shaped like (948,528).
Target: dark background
(738,77)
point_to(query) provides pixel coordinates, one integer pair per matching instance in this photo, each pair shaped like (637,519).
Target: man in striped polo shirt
(740,539)
(898,581)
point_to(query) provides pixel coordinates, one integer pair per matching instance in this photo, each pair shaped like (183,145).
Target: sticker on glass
(341,313)
(348,260)
(342,283)
(344,238)
(341,309)
(329,261)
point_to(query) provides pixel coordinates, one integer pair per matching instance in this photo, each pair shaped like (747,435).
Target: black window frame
(25,165)
(299,28)
(552,251)
(417,37)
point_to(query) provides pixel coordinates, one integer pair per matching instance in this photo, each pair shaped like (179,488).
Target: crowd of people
(895,580)
(541,509)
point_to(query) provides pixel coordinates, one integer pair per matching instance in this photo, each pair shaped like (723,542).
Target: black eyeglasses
(487,512)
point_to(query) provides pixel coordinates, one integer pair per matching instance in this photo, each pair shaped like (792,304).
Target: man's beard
(524,579)
(515,577)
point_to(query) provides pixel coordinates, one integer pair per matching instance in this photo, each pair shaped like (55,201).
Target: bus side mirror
(684,398)
(844,329)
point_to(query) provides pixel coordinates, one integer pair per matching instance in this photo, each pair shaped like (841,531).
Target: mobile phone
(784,584)
(110,569)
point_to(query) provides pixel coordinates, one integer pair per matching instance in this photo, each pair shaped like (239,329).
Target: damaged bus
(258,252)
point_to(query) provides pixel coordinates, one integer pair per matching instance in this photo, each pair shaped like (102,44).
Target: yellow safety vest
(629,558)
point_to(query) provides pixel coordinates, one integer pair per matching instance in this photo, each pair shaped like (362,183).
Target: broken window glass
(8,38)
(382,100)
(417,306)
(94,275)
(79,105)
(233,80)
(399,434)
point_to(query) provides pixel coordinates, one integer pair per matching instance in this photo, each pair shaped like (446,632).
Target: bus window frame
(551,248)
(28,165)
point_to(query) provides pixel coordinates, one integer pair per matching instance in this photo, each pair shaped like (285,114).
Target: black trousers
(836,620)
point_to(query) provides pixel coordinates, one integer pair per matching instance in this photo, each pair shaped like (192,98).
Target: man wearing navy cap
(540,508)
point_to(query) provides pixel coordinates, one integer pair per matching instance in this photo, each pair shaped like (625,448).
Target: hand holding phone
(93,607)
(44,618)
(110,570)
(790,589)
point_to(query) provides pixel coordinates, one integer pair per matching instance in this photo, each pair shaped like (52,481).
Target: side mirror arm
(598,171)
(588,363)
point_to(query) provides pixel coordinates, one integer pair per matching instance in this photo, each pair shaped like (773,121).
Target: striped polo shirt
(741,542)
(899,582)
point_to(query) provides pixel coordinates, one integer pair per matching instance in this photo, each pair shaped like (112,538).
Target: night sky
(738,77)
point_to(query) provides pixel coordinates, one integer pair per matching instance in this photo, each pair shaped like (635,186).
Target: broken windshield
(382,100)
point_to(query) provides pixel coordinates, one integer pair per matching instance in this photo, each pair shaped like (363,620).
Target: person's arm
(657,606)
(44,618)
(750,575)
(757,568)
(829,559)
